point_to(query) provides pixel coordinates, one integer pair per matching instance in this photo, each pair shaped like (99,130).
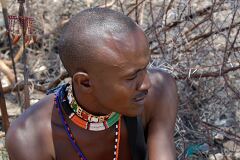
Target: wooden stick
(19,54)
(58,80)
(208,74)
(3,108)
(5,16)
(7,71)
(20,85)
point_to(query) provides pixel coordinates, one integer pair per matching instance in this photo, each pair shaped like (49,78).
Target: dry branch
(134,7)
(7,71)
(234,136)
(207,75)
(3,110)
(5,16)
(58,80)
(195,40)
(232,88)
(18,55)
(20,85)
(197,14)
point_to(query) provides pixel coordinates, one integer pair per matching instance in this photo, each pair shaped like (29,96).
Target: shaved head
(84,36)
(106,55)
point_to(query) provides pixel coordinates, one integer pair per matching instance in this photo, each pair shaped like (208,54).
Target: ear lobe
(82,82)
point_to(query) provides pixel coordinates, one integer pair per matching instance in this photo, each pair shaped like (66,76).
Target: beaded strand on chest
(112,119)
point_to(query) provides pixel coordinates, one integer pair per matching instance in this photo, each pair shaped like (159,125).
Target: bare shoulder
(29,135)
(159,115)
(162,100)
(161,80)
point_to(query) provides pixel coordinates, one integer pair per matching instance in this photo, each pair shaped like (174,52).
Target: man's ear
(82,82)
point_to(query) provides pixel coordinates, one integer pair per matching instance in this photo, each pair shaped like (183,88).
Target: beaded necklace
(68,130)
(79,121)
(98,126)
(80,112)
(58,104)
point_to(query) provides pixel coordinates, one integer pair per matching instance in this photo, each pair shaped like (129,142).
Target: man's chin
(135,112)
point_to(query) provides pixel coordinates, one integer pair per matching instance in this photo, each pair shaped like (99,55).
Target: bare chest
(94,145)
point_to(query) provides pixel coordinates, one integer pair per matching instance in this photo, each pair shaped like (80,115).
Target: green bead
(113,120)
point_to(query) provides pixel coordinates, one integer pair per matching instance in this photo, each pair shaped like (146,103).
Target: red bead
(84,115)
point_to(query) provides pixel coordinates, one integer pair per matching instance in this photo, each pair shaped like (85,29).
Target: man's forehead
(123,44)
(130,67)
(126,65)
(124,51)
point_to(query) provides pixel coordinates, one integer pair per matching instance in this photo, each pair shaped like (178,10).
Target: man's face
(121,82)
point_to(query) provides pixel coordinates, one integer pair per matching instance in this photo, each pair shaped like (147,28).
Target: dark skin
(120,83)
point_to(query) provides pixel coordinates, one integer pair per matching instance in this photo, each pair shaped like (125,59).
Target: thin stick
(7,71)
(18,54)
(26,89)
(5,15)
(208,74)
(3,108)
(134,7)
(136,12)
(20,85)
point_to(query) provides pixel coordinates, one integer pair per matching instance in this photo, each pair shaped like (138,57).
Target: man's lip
(139,100)
(140,97)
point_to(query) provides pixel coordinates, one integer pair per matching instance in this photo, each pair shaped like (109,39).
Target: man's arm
(15,145)
(162,110)
(29,136)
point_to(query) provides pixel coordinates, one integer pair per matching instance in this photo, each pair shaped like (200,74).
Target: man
(106,54)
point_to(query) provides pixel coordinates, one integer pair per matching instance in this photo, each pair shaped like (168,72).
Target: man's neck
(89,103)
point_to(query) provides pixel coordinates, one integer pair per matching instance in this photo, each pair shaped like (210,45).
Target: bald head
(85,34)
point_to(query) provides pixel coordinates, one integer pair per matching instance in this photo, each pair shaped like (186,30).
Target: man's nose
(146,84)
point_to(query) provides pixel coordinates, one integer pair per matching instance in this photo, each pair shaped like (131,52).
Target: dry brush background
(197,41)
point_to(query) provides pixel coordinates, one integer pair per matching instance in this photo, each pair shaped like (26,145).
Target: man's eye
(133,77)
